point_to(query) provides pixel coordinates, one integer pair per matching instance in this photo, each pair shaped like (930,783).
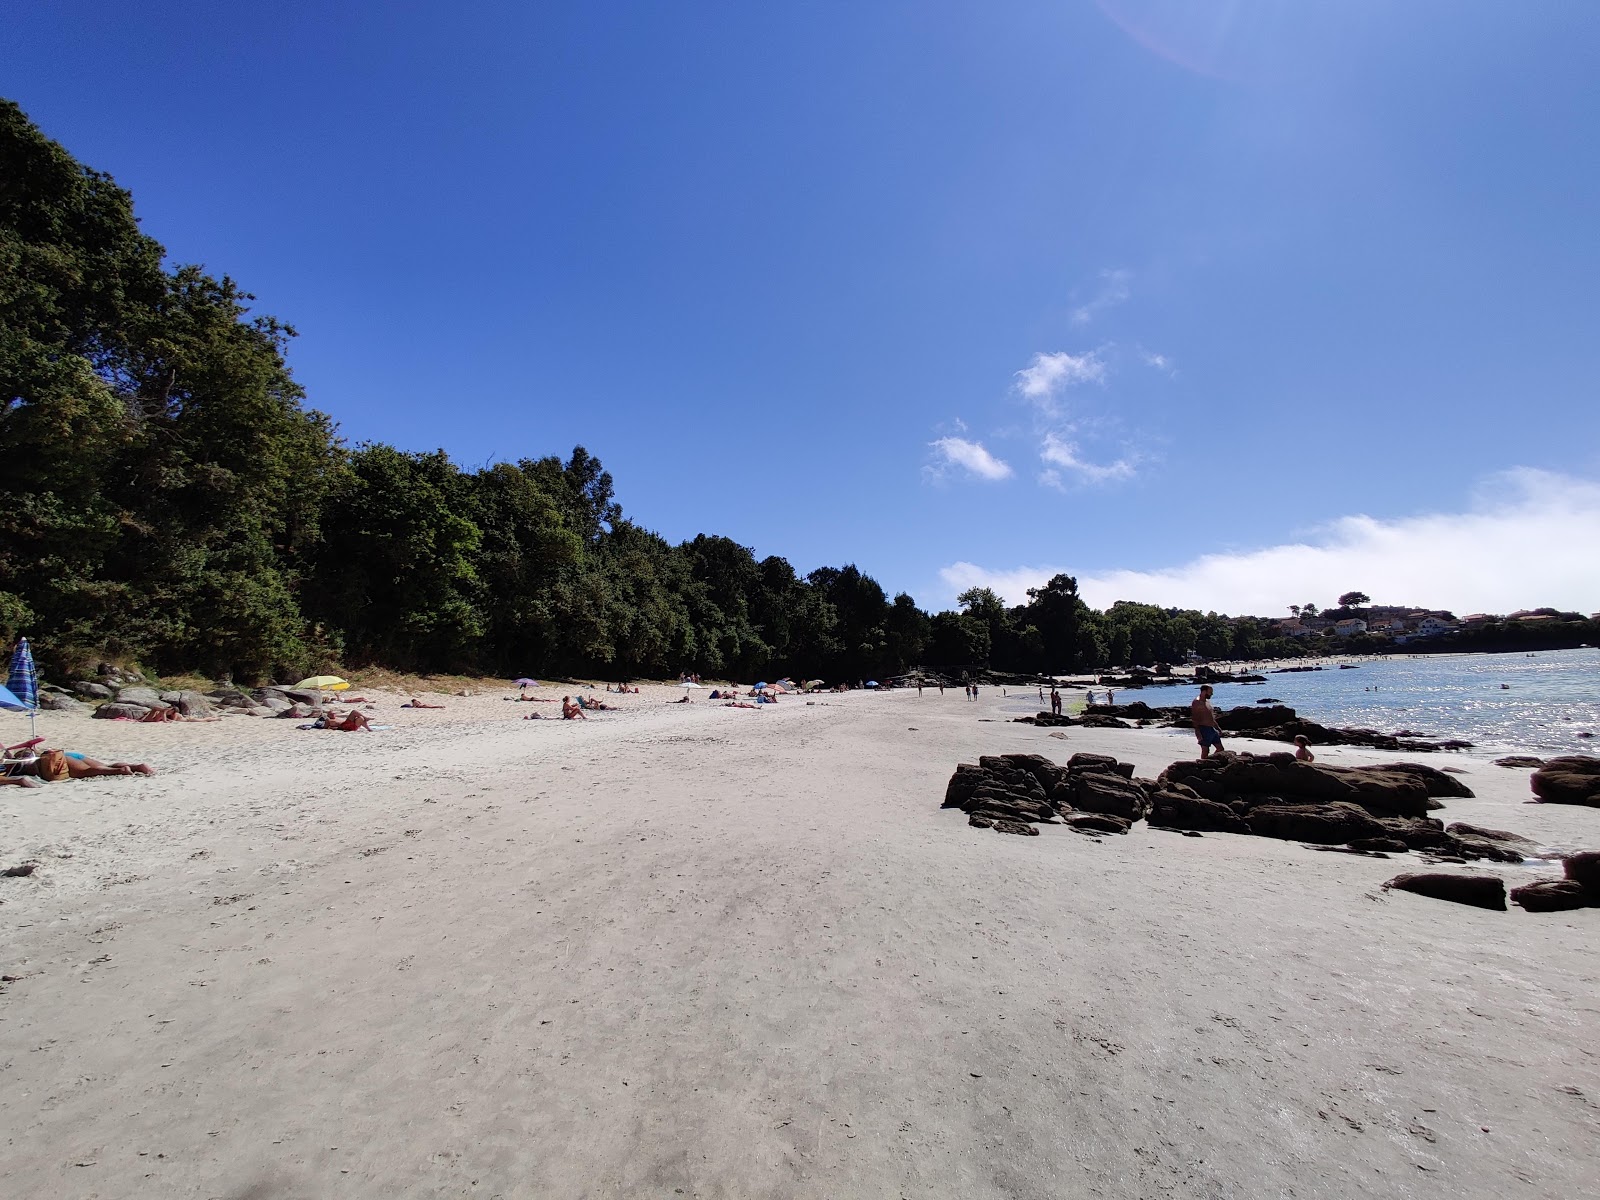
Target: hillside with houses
(1377,627)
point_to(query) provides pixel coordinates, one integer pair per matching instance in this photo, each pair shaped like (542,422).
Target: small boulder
(298,712)
(1015,827)
(1334,824)
(1480,891)
(56,702)
(1525,761)
(1572,779)
(139,695)
(1583,867)
(1096,792)
(1554,895)
(1177,806)
(1379,845)
(92,691)
(1096,823)
(121,711)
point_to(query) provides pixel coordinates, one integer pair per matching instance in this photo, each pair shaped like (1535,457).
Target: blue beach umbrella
(10,702)
(23,682)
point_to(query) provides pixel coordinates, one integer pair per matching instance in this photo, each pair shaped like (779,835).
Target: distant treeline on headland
(167,498)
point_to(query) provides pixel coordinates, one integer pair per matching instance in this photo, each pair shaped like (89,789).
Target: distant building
(1293,628)
(1431,626)
(1349,627)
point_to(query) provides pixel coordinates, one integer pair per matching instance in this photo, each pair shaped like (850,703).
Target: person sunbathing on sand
(415,703)
(350,722)
(55,765)
(570,711)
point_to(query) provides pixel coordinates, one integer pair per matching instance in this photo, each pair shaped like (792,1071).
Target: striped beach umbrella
(23,681)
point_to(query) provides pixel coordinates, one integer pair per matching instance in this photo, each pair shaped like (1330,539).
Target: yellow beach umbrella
(331,683)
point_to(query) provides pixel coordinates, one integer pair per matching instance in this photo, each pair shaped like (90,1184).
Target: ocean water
(1548,700)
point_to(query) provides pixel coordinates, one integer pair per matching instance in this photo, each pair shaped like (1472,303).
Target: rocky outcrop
(1029,789)
(1526,762)
(1333,824)
(1480,891)
(1571,779)
(1178,806)
(93,691)
(1278,778)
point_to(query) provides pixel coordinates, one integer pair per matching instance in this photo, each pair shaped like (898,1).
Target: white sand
(711,952)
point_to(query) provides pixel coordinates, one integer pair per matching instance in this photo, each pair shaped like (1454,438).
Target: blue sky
(1230,304)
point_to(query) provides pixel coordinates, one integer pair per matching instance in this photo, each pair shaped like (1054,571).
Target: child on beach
(1302,749)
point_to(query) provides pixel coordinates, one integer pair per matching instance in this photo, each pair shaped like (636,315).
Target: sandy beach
(699,951)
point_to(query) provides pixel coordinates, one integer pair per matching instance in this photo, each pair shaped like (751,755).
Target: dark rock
(1481,891)
(1526,761)
(301,696)
(1554,895)
(1177,806)
(1418,833)
(1015,827)
(119,710)
(1571,779)
(1382,845)
(979,822)
(1097,823)
(1241,718)
(93,691)
(298,712)
(1096,792)
(1334,824)
(21,872)
(1583,867)
(1096,721)
(1437,782)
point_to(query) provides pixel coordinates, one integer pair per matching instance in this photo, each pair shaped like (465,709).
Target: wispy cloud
(953,452)
(1514,549)
(1049,374)
(1062,454)
(1159,362)
(1114,290)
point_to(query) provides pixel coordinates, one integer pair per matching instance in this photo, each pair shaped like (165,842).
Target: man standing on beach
(1206,730)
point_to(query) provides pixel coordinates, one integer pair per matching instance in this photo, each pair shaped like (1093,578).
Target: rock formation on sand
(1573,779)
(1374,811)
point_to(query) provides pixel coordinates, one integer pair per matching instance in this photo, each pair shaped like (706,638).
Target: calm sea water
(1548,699)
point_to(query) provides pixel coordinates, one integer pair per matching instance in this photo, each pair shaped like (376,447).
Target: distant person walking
(1206,730)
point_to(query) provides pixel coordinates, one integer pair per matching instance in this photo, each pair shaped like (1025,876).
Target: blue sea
(1547,701)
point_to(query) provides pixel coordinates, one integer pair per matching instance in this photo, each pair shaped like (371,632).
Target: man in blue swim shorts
(1206,730)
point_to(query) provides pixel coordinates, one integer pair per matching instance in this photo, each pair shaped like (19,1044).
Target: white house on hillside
(1434,626)
(1349,626)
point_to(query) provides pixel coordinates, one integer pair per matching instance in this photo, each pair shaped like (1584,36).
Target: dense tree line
(167,498)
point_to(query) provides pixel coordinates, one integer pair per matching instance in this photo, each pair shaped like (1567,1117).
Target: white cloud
(969,456)
(1526,542)
(1048,374)
(1113,291)
(1159,362)
(1061,453)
